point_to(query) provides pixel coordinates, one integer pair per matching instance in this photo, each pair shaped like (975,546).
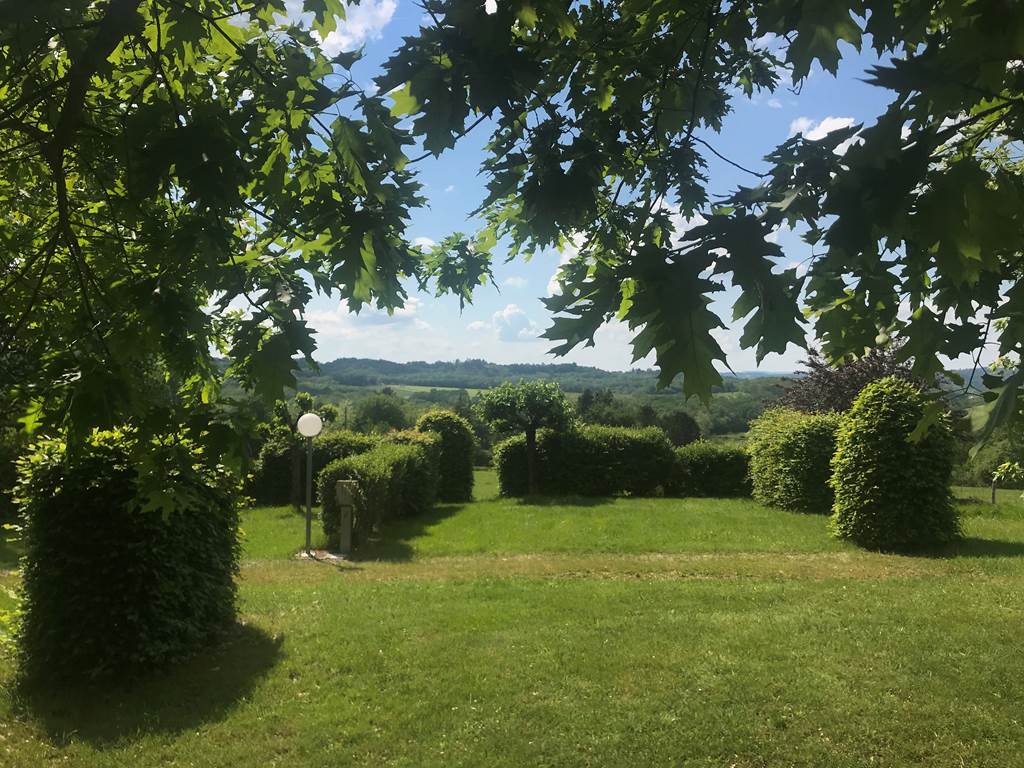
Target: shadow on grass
(565,501)
(395,544)
(199,690)
(975,547)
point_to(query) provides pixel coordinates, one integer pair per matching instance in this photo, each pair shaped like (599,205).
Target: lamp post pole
(309,494)
(309,427)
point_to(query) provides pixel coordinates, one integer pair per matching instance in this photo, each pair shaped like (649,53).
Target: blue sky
(502,325)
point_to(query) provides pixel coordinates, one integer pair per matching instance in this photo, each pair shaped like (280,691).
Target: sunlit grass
(580,632)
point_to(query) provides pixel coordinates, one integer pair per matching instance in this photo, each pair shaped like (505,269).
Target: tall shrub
(111,585)
(790,459)
(707,469)
(891,492)
(458,448)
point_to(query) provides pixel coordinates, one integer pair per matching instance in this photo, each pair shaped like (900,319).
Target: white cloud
(424,242)
(800,125)
(362,22)
(515,281)
(774,103)
(491,6)
(814,130)
(450,188)
(341,322)
(512,324)
(478,325)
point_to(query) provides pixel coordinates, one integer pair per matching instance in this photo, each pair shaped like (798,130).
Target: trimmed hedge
(110,586)
(274,471)
(458,449)
(790,459)
(891,493)
(706,469)
(422,478)
(590,461)
(391,481)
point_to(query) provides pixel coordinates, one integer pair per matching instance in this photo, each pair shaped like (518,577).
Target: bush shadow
(396,537)
(199,690)
(564,501)
(972,546)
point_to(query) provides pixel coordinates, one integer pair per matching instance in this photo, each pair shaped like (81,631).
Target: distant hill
(481,374)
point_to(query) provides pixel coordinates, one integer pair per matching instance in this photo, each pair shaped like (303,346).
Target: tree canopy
(604,115)
(178,176)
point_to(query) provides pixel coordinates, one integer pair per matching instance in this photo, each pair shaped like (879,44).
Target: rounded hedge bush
(110,585)
(892,493)
(458,449)
(706,469)
(790,459)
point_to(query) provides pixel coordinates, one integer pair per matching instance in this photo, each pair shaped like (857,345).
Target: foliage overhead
(603,117)
(177,177)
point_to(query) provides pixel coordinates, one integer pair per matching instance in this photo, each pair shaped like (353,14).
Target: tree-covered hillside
(480,374)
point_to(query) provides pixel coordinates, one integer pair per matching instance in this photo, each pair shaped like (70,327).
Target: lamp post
(309,427)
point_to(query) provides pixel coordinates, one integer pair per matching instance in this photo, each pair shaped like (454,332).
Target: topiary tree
(892,490)
(112,586)
(458,448)
(526,407)
(790,459)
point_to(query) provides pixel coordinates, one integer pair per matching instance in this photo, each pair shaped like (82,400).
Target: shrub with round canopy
(458,447)
(892,491)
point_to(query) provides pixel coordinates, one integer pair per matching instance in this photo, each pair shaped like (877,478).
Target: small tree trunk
(533,483)
(993,490)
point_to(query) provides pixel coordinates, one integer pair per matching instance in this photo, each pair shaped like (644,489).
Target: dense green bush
(388,485)
(790,459)
(422,479)
(707,469)
(589,461)
(277,477)
(458,450)
(892,493)
(111,585)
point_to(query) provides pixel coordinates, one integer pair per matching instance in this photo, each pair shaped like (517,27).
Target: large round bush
(790,459)
(892,493)
(112,585)
(458,447)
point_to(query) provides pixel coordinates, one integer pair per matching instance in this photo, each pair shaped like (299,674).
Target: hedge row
(706,469)
(589,461)
(398,478)
(111,586)
(277,477)
(790,456)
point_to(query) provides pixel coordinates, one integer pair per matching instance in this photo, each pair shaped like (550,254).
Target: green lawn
(582,632)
